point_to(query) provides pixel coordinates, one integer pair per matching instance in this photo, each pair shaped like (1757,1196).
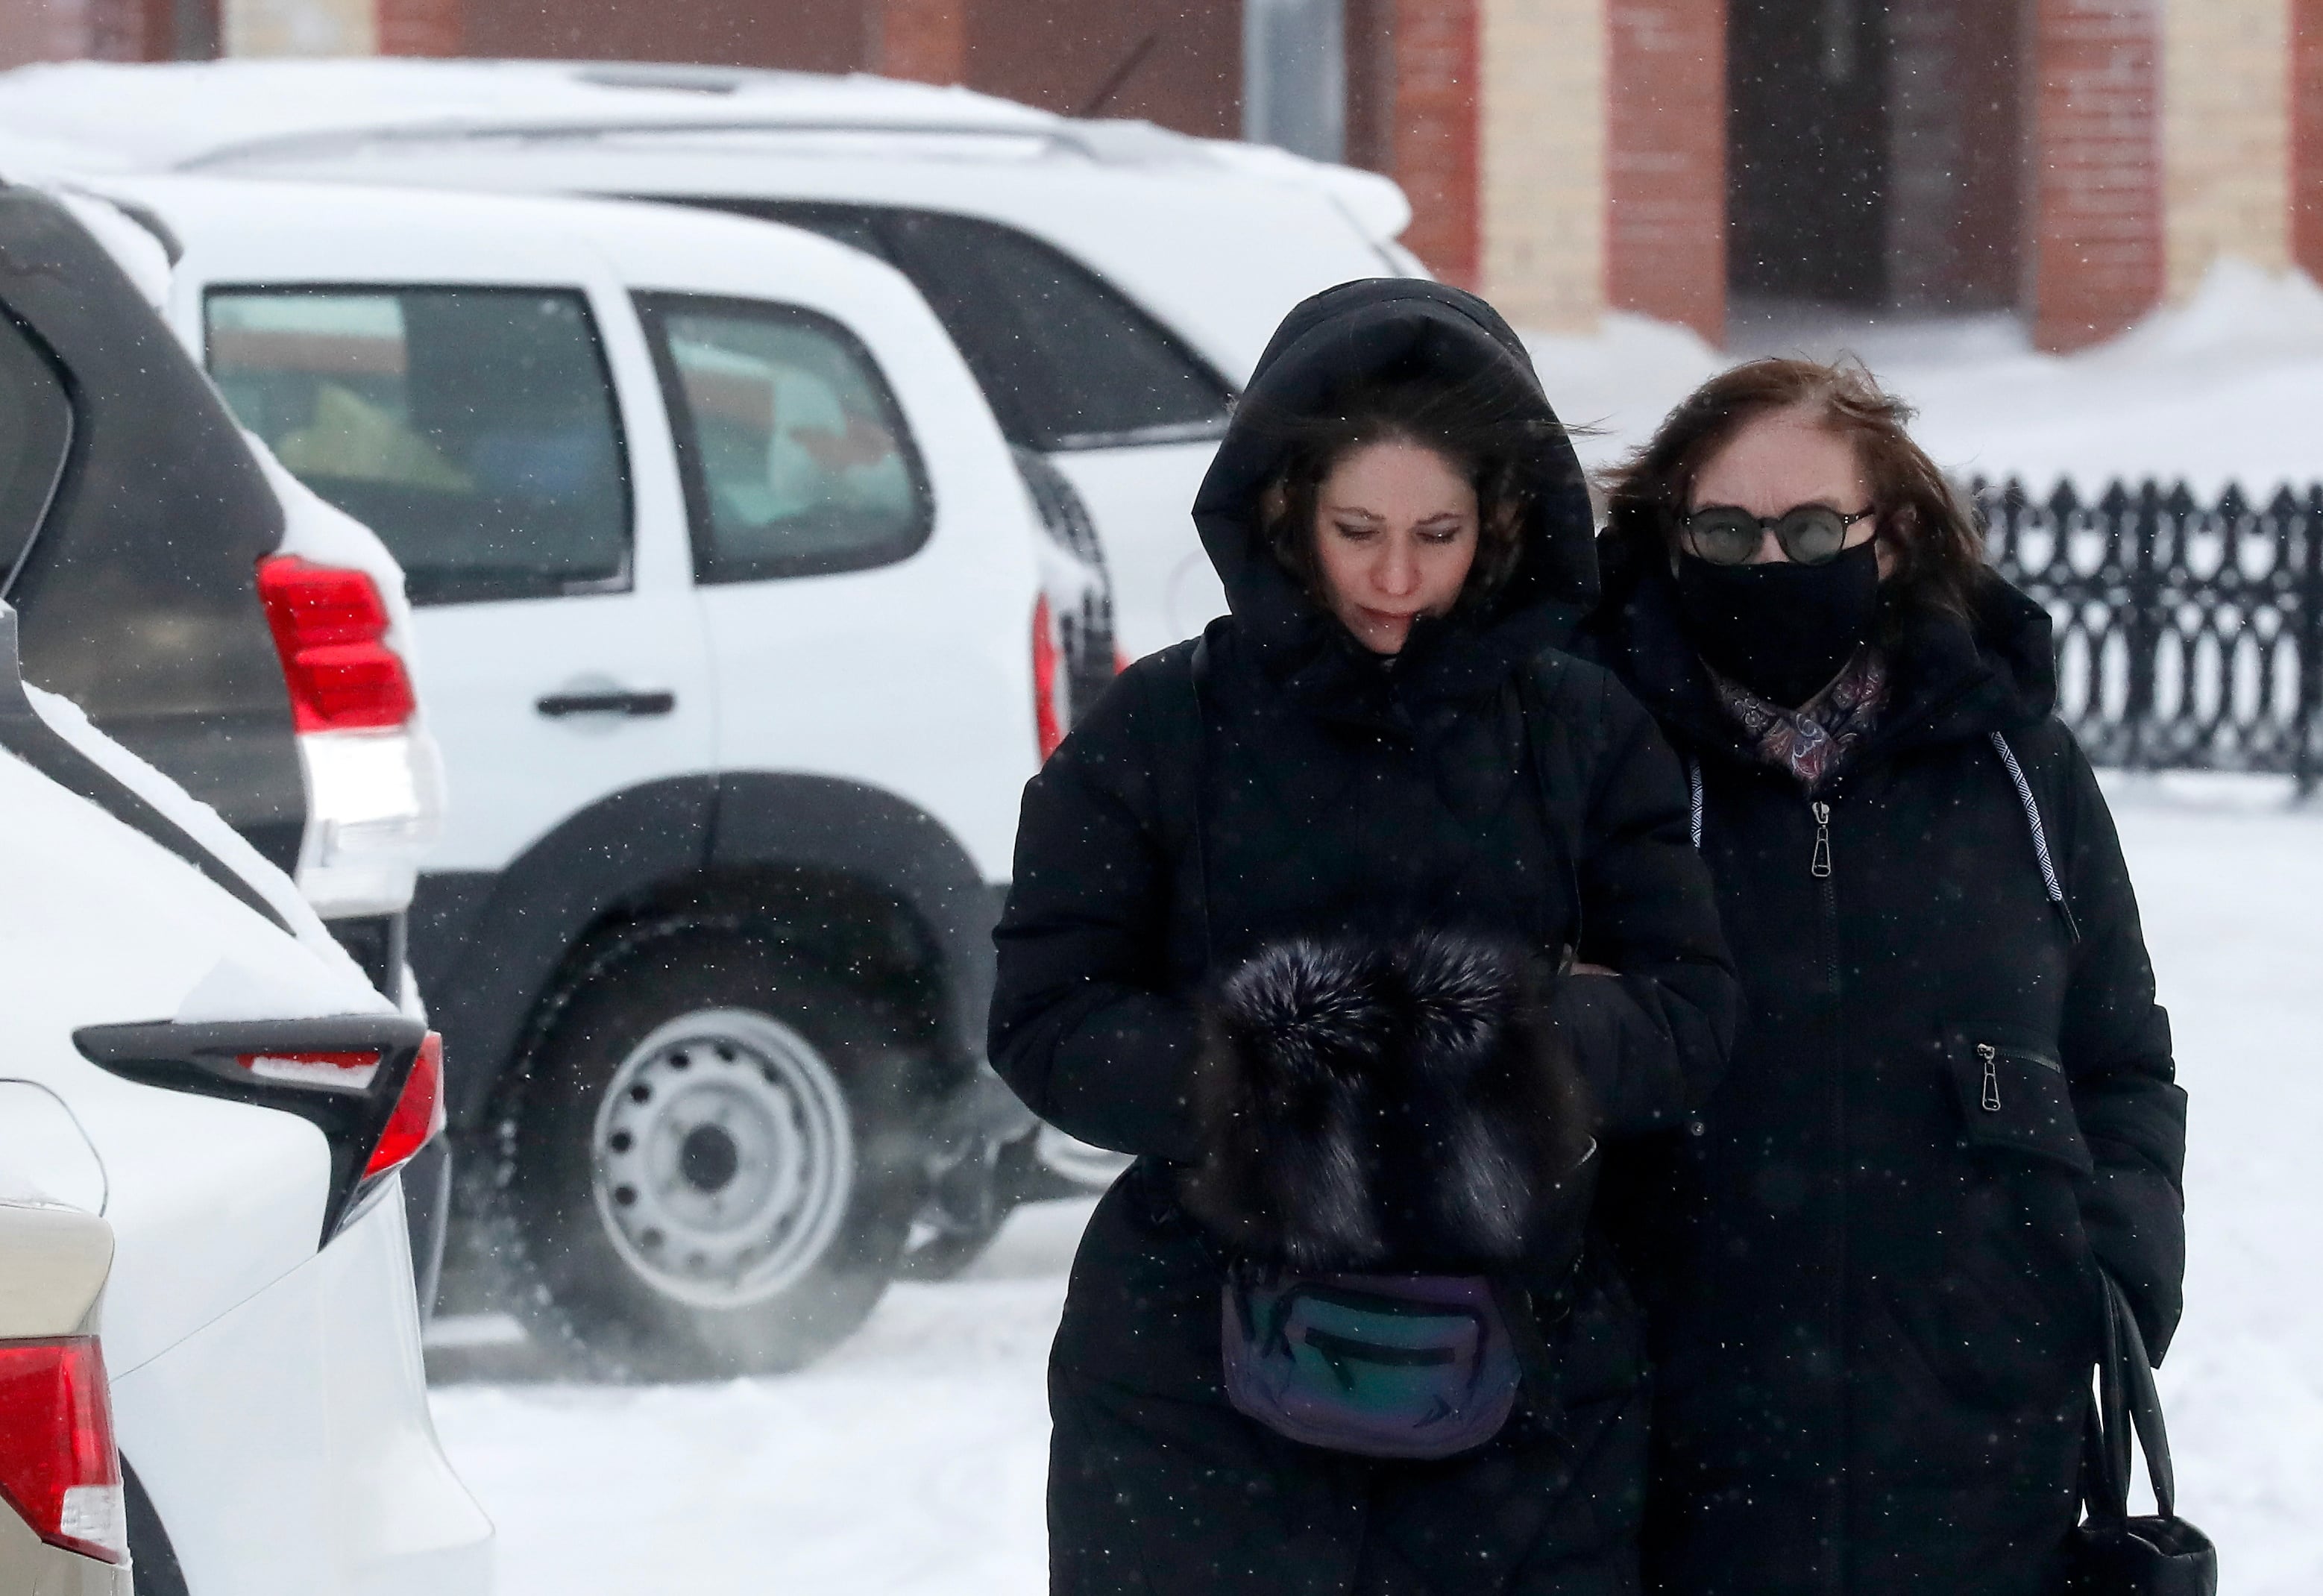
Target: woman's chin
(1381,634)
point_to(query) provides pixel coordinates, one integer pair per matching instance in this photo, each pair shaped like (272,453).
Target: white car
(197,602)
(742,633)
(1110,283)
(192,1056)
(64,1522)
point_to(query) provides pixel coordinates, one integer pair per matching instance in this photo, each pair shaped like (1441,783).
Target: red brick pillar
(2306,135)
(925,39)
(2096,222)
(1432,134)
(118,30)
(1666,162)
(422,27)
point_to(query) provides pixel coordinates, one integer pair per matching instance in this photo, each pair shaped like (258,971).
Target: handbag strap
(2127,1402)
(1198,663)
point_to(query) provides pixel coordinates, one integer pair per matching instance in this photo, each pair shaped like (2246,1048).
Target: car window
(35,429)
(855,225)
(473,429)
(796,458)
(1066,361)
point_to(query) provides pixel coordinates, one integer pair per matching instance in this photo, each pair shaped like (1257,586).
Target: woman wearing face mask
(1871,1266)
(1374,793)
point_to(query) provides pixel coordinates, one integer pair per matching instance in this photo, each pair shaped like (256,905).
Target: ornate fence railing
(2189,634)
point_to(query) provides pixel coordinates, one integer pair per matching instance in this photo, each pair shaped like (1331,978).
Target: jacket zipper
(1819,867)
(1990,1056)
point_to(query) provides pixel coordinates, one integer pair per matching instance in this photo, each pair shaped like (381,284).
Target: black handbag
(2111,1554)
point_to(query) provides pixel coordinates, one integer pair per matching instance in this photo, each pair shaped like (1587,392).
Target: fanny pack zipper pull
(1820,866)
(1990,1055)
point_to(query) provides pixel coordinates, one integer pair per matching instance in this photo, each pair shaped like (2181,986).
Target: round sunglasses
(1809,534)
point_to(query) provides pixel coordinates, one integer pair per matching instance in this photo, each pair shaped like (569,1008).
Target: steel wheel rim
(721,1158)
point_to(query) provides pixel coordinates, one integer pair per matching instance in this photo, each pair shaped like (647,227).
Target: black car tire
(684,1076)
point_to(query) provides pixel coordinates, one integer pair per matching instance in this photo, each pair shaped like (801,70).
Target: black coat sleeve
(2115,1045)
(1653,1039)
(1084,1026)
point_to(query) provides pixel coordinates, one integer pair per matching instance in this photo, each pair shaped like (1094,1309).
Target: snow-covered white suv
(193,1057)
(1110,283)
(741,633)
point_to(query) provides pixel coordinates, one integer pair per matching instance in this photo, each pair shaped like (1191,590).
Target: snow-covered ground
(910,1463)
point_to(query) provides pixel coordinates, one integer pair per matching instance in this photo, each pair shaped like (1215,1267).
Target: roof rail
(339,141)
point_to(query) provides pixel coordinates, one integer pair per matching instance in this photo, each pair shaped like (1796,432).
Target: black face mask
(1781,630)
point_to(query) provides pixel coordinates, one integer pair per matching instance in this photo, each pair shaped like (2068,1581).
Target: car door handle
(557,705)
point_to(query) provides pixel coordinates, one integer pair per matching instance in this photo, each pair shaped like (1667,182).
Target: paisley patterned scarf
(1815,741)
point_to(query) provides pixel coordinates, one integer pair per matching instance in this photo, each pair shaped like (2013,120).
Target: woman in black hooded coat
(1870,1266)
(1476,781)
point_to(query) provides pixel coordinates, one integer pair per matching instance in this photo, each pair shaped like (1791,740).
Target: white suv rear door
(467,378)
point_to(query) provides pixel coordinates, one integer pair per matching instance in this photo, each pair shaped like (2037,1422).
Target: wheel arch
(784,847)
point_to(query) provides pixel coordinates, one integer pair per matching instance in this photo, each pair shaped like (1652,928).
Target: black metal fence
(2189,634)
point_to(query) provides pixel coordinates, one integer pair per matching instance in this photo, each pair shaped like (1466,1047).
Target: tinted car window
(473,429)
(796,458)
(35,428)
(1074,364)
(1065,361)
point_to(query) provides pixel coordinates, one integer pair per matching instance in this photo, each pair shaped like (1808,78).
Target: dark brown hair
(1491,428)
(1931,536)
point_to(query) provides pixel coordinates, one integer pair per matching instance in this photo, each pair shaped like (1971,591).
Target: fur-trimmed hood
(1369,1105)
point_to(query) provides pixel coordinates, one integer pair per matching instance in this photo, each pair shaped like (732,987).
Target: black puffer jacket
(1341,797)
(1870,1278)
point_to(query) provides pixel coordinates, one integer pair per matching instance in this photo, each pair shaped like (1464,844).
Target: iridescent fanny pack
(1403,1366)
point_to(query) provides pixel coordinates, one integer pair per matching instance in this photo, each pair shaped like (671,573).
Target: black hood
(1994,672)
(1377,327)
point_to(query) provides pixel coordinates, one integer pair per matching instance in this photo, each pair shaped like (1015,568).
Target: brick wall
(105,30)
(422,27)
(809,35)
(2095,228)
(2306,135)
(925,39)
(2226,137)
(1433,133)
(1177,62)
(42,31)
(1543,204)
(1666,167)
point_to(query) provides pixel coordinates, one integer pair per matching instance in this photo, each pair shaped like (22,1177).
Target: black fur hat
(1368,1106)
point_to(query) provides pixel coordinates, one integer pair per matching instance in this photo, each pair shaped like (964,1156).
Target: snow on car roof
(218,114)
(180,112)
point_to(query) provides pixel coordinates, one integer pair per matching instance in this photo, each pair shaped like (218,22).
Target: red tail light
(418,1114)
(329,627)
(1048,680)
(58,1466)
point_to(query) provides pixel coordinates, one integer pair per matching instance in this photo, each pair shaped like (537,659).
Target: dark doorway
(1874,155)
(1807,150)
